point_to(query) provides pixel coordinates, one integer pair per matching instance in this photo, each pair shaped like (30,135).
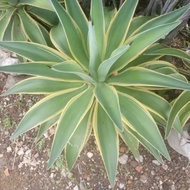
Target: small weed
(7,122)
(41,144)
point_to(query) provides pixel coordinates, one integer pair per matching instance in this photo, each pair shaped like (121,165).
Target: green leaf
(37,85)
(75,11)
(46,16)
(97,17)
(33,51)
(136,23)
(17,30)
(144,124)
(78,140)
(142,42)
(184,114)
(75,41)
(131,142)
(45,126)
(178,105)
(46,109)
(119,26)
(95,59)
(155,104)
(145,143)
(105,66)
(39,69)
(108,99)
(107,140)
(7,36)
(135,76)
(70,119)
(4,21)
(43,4)
(59,39)
(72,68)
(173,52)
(163,19)
(31,28)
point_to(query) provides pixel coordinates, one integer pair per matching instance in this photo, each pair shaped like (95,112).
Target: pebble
(76,188)
(123,159)
(143,178)
(156,162)
(121,185)
(152,172)
(134,163)
(20,152)
(9,149)
(1,155)
(164,166)
(89,154)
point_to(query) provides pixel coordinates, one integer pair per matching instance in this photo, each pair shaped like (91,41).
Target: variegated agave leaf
(99,77)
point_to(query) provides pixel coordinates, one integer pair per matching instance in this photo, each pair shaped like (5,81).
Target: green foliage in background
(102,76)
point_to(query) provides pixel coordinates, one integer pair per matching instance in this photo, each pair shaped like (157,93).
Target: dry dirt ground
(23,163)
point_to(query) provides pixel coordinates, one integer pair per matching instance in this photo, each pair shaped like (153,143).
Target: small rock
(164,166)
(89,154)
(20,152)
(76,188)
(51,175)
(139,168)
(152,172)
(123,159)
(123,149)
(156,162)
(9,149)
(134,164)
(27,152)
(143,178)
(10,82)
(1,155)
(121,185)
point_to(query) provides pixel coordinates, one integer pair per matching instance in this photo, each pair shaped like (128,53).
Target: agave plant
(23,20)
(101,76)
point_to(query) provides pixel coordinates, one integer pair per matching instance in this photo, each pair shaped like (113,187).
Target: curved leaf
(33,51)
(173,52)
(45,126)
(58,38)
(75,11)
(31,28)
(107,140)
(144,125)
(142,42)
(98,22)
(108,99)
(74,38)
(135,76)
(46,109)
(70,119)
(73,68)
(78,140)
(178,105)
(37,85)
(105,66)
(119,26)
(39,69)
(4,21)
(95,59)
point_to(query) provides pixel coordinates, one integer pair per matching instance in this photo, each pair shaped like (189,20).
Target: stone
(156,162)
(89,154)
(143,178)
(123,159)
